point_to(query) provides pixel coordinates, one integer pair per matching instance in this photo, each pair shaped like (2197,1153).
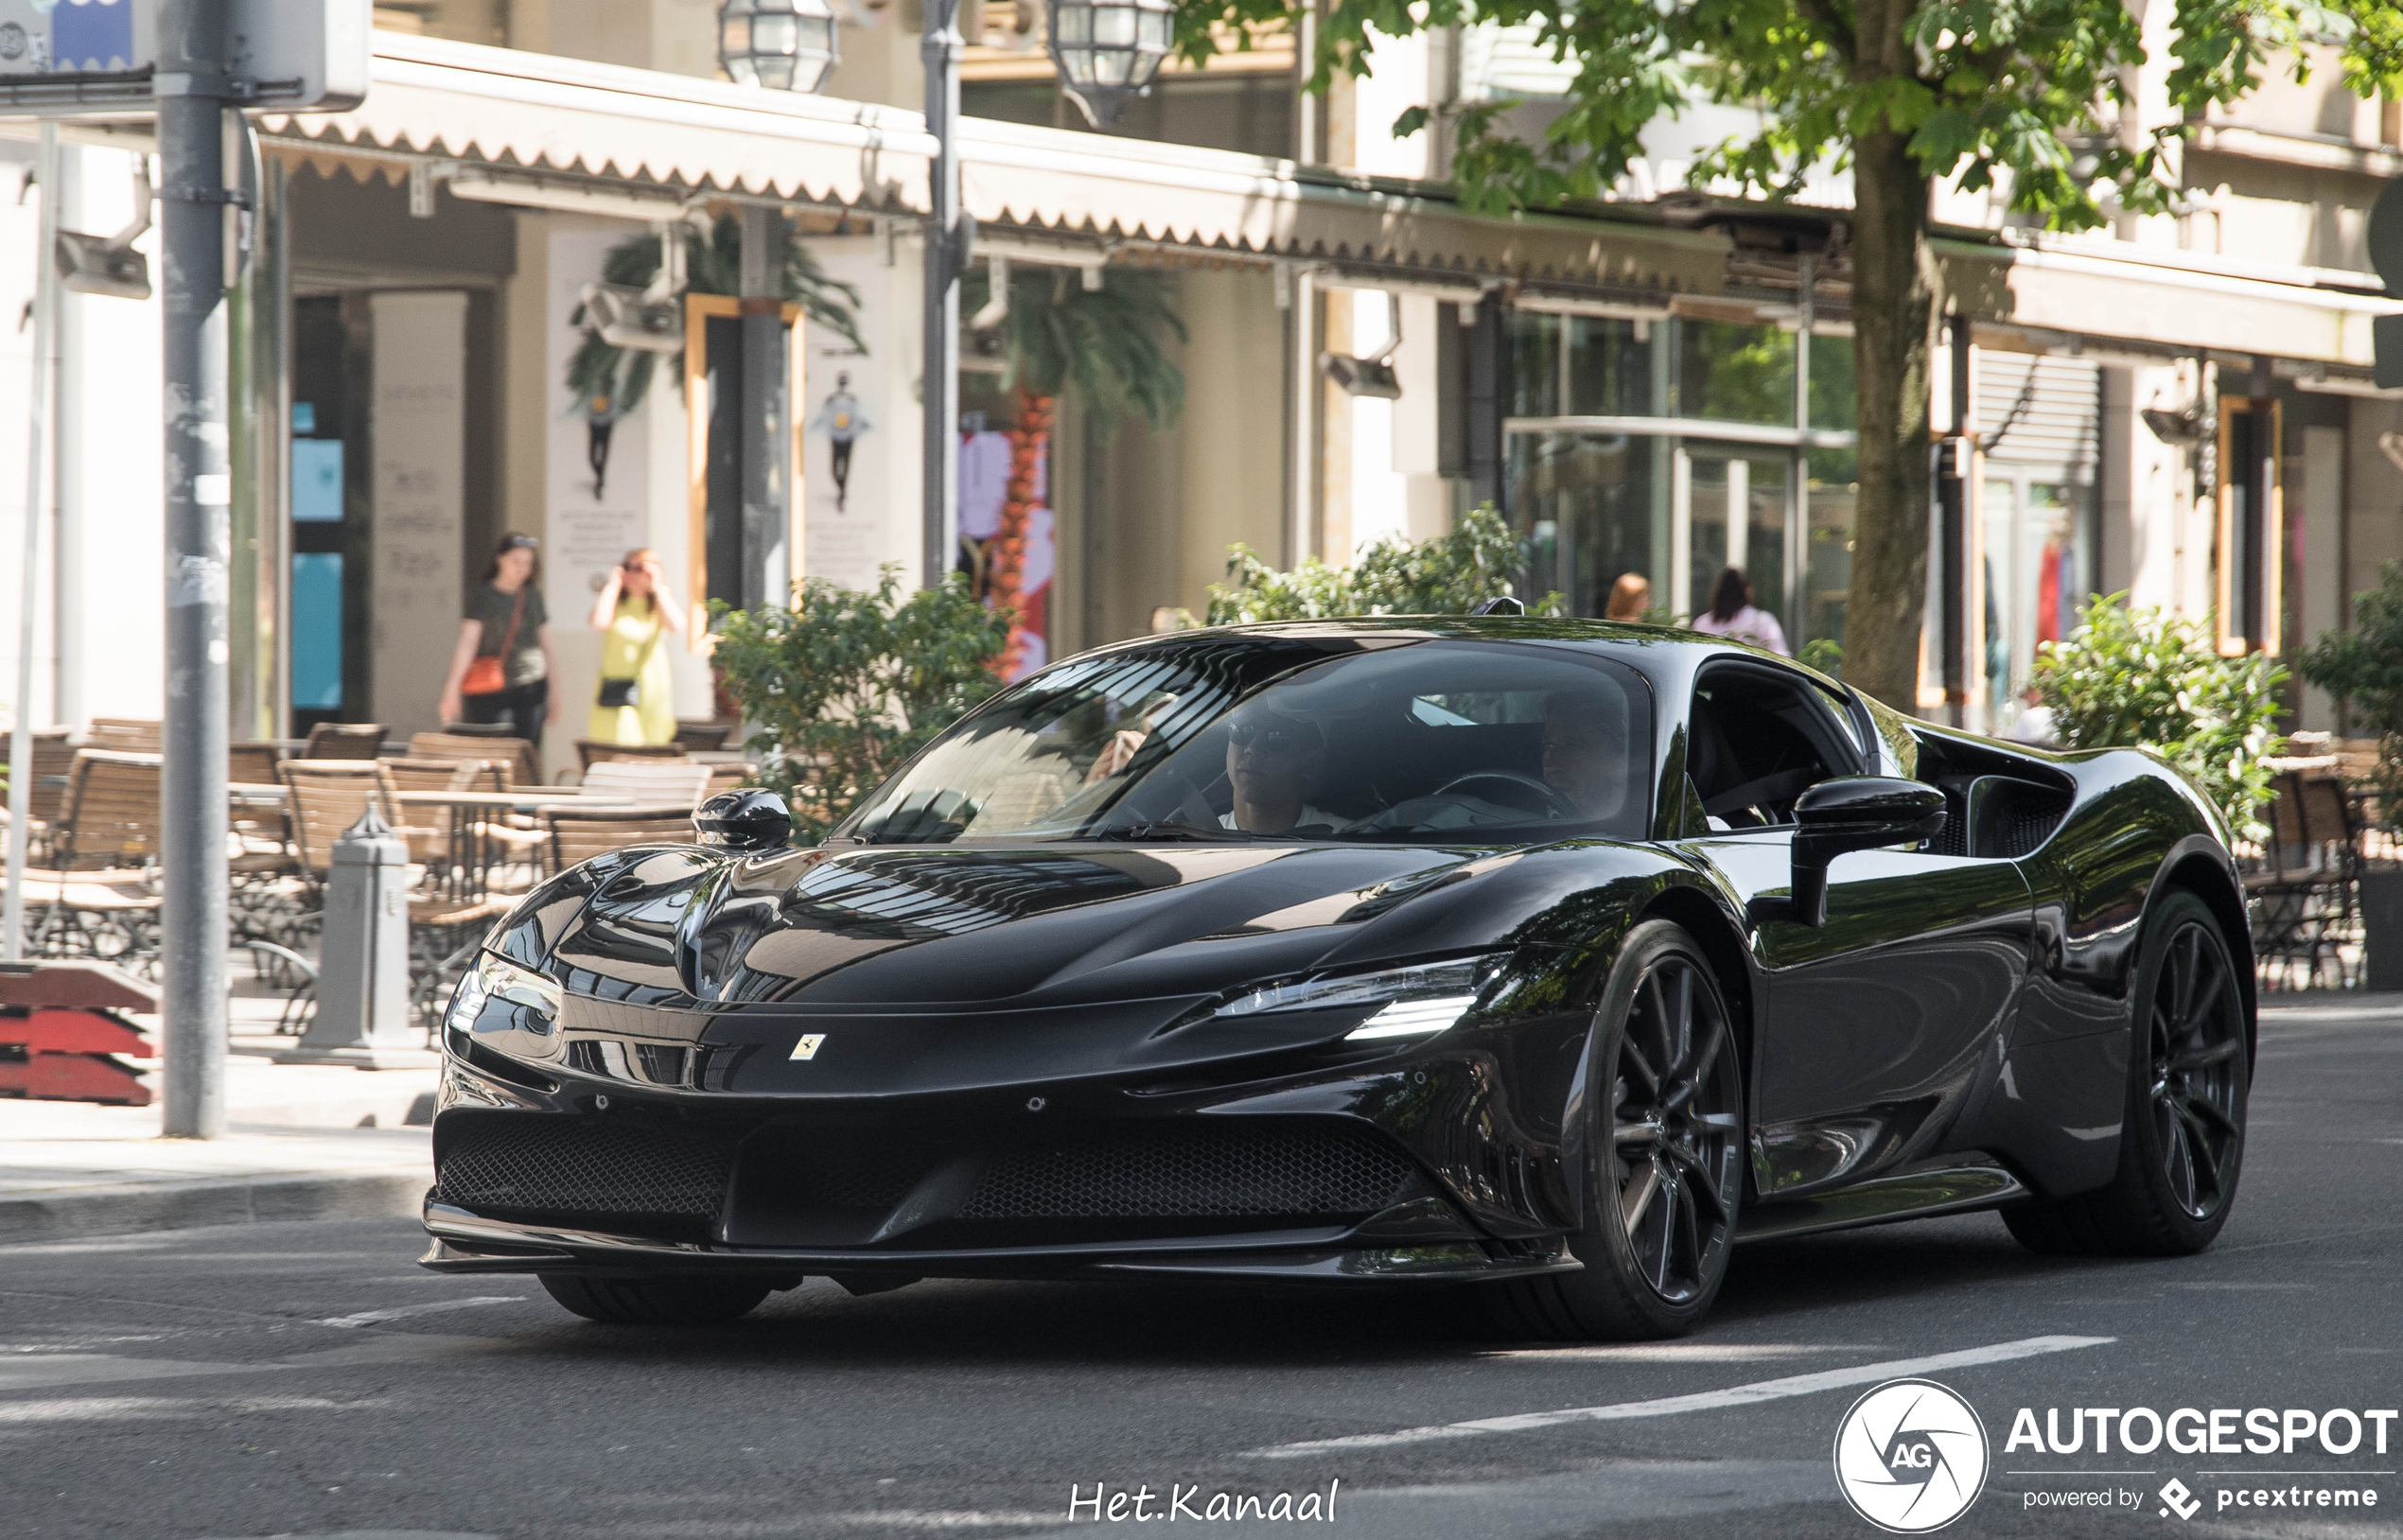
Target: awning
(2154,305)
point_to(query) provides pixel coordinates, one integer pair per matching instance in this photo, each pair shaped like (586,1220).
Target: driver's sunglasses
(1269,740)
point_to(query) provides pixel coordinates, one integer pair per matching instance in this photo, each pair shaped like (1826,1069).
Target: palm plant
(712,265)
(1107,347)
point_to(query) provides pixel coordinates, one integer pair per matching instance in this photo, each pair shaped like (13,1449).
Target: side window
(1759,740)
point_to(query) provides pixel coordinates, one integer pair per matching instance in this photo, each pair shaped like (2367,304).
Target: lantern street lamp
(1109,50)
(781,44)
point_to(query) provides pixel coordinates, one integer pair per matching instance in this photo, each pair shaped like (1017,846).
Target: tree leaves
(2365,666)
(1448,575)
(2142,678)
(1108,347)
(849,683)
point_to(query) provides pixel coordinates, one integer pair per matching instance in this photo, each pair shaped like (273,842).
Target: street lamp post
(1109,51)
(948,237)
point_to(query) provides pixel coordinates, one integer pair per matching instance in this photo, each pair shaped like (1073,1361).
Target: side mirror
(1854,813)
(744,820)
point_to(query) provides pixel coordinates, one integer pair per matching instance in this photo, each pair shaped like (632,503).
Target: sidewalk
(303,1141)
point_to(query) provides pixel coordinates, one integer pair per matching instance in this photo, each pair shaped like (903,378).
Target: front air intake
(573,1170)
(1248,1168)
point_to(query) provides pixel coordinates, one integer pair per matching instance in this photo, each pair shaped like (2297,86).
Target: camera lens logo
(1910,1455)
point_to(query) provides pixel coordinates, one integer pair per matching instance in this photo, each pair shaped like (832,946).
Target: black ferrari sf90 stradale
(1550,958)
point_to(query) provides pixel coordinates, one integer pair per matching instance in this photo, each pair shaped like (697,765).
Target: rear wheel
(655,1302)
(2181,1139)
(1663,1120)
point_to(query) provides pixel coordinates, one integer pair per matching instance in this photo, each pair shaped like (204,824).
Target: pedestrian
(1629,597)
(1733,615)
(501,669)
(634,613)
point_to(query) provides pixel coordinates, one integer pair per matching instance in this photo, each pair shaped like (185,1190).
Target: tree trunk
(1026,442)
(1893,309)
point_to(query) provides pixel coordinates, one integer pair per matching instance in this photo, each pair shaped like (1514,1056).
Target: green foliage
(1997,91)
(2142,678)
(2366,665)
(1448,575)
(1106,347)
(712,265)
(848,683)
(1825,655)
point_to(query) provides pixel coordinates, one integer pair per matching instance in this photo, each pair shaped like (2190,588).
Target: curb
(184,1205)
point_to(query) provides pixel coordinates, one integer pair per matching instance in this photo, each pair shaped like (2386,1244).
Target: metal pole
(947,238)
(67,358)
(45,306)
(767,438)
(195,209)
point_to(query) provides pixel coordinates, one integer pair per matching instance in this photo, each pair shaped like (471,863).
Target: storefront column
(262,412)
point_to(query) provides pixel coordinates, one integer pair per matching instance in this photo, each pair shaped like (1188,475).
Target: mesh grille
(528,1163)
(855,1180)
(2025,826)
(1196,1173)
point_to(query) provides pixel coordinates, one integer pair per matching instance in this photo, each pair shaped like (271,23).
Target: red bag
(487,674)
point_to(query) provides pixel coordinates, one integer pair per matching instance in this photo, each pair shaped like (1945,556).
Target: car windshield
(1289,737)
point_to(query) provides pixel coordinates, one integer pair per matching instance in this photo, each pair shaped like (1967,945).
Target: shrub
(1450,574)
(848,683)
(2365,666)
(2144,679)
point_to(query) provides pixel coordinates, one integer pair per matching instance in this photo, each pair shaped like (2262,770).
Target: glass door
(1737,501)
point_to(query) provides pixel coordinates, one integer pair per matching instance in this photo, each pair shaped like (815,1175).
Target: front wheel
(2181,1139)
(1663,1123)
(655,1302)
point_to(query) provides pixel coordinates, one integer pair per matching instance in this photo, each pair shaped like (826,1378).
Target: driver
(1272,757)
(1585,751)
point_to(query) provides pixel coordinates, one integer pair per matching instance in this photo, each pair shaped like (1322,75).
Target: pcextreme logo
(1910,1455)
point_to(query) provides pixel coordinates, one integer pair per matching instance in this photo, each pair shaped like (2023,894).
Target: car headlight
(1416,1002)
(497,978)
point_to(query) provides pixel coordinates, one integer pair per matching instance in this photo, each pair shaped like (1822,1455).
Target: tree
(602,371)
(1106,346)
(848,683)
(2017,92)
(1448,575)
(2131,679)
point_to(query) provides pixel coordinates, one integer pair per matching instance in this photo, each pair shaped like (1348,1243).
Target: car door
(1876,1025)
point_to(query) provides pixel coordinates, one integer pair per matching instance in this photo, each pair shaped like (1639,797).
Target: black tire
(1663,1161)
(2182,1137)
(655,1302)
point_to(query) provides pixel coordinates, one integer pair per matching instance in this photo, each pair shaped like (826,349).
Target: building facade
(1658,383)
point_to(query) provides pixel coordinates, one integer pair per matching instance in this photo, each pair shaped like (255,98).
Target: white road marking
(957,1519)
(374,1317)
(38,1371)
(1667,1353)
(1735,1395)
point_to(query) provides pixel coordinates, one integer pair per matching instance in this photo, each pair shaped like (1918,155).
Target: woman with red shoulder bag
(501,670)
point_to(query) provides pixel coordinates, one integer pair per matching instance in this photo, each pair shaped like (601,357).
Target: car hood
(946,928)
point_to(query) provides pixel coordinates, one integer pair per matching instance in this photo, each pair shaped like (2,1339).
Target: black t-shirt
(524,665)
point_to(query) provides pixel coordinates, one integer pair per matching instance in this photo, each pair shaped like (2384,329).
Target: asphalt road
(309,1380)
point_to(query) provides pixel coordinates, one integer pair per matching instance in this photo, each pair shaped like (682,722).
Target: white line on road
(376,1318)
(1736,1395)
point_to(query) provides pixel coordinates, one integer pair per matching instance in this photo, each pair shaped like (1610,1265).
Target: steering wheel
(1555,804)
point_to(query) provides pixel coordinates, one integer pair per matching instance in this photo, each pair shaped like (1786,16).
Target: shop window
(2038,571)
(1535,365)
(1830,495)
(1609,366)
(1733,374)
(1834,396)
(1594,505)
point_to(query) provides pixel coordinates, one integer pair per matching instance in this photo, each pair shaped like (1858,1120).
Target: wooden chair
(513,759)
(659,783)
(2304,898)
(701,737)
(592,751)
(99,904)
(126,734)
(577,834)
(253,763)
(726,778)
(53,758)
(328,796)
(344,741)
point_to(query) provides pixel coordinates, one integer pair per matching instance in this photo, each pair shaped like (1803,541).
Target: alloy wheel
(1676,1129)
(2196,1087)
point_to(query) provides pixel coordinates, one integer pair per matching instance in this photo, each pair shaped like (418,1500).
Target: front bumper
(468,1243)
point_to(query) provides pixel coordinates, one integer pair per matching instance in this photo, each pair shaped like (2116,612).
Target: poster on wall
(1006,540)
(598,463)
(419,424)
(851,419)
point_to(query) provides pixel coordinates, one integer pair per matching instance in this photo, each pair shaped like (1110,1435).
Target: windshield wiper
(1164,833)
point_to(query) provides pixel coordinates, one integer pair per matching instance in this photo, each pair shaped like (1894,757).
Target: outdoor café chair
(344,741)
(578,834)
(99,901)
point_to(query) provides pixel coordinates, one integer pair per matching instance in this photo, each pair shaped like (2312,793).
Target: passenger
(1120,751)
(1629,597)
(1271,761)
(1586,757)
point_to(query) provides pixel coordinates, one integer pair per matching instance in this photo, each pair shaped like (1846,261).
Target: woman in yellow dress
(635,615)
